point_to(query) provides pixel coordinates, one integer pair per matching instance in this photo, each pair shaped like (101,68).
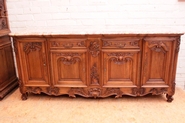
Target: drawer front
(121,43)
(67,43)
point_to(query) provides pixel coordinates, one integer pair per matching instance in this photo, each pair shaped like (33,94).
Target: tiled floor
(47,109)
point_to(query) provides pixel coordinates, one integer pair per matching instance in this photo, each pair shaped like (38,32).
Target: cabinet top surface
(92,35)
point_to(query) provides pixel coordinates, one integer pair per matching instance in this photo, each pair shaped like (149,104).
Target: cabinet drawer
(67,43)
(123,42)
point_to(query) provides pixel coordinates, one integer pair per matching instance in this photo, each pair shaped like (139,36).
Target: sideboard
(97,65)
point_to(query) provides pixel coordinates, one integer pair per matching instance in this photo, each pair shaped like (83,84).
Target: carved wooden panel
(69,68)
(67,43)
(121,43)
(157,61)
(34,64)
(120,68)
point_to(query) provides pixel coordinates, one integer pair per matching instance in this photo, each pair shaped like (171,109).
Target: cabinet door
(33,62)
(120,68)
(157,61)
(69,68)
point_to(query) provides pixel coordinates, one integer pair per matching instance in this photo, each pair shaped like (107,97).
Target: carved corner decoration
(94,48)
(120,58)
(94,75)
(69,58)
(138,91)
(158,46)
(156,91)
(113,91)
(53,91)
(32,46)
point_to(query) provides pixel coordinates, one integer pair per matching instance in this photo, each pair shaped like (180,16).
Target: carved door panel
(69,68)
(120,68)
(158,57)
(34,62)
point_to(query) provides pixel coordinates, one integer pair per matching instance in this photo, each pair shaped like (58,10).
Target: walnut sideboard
(97,65)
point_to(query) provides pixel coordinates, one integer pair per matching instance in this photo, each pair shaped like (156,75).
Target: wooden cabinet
(97,65)
(8,79)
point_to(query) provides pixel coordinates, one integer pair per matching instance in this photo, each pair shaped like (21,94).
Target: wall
(101,16)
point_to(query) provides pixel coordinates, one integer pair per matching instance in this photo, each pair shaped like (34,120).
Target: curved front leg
(169,98)
(24,96)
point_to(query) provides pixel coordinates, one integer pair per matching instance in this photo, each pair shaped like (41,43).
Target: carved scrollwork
(158,46)
(69,58)
(120,45)
(35,90)
(106,43)
(3,23)
(156,91)
(113,91)
(78,91)
(94,75)
(53,90)
(134,43)
(81,44)
(55,44)
(68,45)
(138,91)
(32,46)
(120,58)
(94,48)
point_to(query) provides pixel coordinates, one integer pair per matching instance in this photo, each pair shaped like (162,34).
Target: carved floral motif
(69,58)
(35,90)
(94,75)
(158,46)
(94,48)
(113,91)
(121,44)
(106,43)
(120,58)
(68,45)
(32,46)
(81,44)
(53,90)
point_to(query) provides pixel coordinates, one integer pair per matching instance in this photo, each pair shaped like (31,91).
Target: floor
(49,109)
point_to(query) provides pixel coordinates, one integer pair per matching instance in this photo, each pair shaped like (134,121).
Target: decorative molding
(145,64)
(158,46)
(55,44)
(32,46)
(94,48)
(120,44)
(94,92)
(134,43)
(120,58)
(69,58)
(138,91)
(15,46)
(53,91)
(94,75)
